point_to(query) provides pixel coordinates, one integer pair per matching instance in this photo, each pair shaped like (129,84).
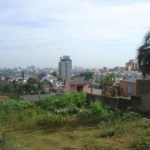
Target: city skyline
(93,33)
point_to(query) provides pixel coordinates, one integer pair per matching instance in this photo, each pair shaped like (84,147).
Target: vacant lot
(67,123)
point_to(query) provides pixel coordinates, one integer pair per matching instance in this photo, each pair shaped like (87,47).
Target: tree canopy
(107,80)
(143,55)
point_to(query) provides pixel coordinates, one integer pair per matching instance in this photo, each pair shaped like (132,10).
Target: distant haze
(94,33)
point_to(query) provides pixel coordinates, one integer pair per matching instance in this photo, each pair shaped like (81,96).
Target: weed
(141,143)
(5,143)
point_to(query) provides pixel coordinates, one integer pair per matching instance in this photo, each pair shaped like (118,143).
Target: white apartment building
(65,67)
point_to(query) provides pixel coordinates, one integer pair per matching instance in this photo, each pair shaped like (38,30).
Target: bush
(96,107)
(108,94)
(142,143)
(107,132)
(14,105)
(67,102)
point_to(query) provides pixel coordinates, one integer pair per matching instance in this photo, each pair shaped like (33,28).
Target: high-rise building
(65,67)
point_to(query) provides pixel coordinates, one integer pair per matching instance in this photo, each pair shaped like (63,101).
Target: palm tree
(143,56)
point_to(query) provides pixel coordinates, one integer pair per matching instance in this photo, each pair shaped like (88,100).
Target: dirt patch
(70,148)
(3,98)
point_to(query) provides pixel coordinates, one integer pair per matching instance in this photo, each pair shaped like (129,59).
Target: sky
(94,33)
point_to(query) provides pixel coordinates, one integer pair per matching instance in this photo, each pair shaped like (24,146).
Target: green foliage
(143,55)
(32,80)
(14,105)
(67,102)
(95,112)
(107,132)
(140,143)
(129,115)
(54,74)
(69,112)
(48,119)
(96,107)
(86,75)
(107,80)
(59,78)
(108,94)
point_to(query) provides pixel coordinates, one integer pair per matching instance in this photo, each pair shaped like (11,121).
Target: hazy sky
(94,33)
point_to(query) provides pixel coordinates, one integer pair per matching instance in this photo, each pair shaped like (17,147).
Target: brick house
(76,85)
(127,87)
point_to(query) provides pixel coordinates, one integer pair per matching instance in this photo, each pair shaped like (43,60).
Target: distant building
(105,69)
(42,75)
(65,67)
(131,65)
(76,85)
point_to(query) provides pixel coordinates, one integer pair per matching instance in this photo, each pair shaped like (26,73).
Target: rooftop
(77,81)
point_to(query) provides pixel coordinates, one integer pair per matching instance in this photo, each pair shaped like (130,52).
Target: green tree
(33,80)
(86,75)
(143,55)
(54,74)
(9,87)
(59,78)
(107,80)
(1,87)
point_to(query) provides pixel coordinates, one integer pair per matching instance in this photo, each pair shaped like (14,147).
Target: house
(127,87)
(42,75)
(76,85)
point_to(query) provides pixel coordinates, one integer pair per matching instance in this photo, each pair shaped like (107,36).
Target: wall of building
(86,88)
(143,91)
(123,88)
(71,88)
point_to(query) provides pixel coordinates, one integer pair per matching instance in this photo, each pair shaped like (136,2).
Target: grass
(123,97)
(93,127)
(78,134)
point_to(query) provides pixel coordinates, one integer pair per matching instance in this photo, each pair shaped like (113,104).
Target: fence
(135,103)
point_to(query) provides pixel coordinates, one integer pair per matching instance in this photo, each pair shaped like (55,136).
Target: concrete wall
(108,101)
(135,102)
(143,91)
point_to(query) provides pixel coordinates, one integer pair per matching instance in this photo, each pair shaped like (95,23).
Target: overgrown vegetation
(66,122)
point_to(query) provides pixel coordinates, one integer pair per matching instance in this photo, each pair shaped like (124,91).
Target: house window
(129,90)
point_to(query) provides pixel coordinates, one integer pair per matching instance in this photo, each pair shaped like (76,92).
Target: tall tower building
(65,67)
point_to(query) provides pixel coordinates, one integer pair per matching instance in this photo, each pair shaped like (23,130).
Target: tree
(107,80)
(32,80)
(54,74)
(59,78)
(143,56)
(86,75)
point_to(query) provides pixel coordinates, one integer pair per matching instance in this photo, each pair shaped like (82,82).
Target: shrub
(14,105)
(142,143)
(108,94)
(107,132)
(67,102)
